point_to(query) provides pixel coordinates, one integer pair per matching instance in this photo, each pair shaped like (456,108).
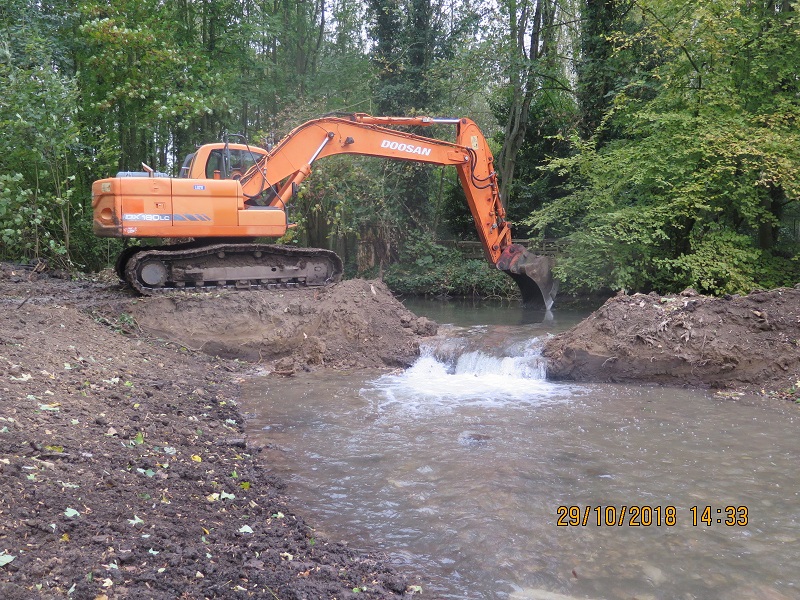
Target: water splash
(471,368)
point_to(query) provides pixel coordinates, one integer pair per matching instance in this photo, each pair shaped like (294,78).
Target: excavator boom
(204,204)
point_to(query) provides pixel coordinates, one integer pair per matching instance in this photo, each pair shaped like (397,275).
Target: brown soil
(124,470)
(355,323)
(745,343)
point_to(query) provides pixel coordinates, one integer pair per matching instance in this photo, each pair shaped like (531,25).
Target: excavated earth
(741,343)
(124,469)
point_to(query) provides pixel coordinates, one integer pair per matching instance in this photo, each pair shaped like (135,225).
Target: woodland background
(657,139)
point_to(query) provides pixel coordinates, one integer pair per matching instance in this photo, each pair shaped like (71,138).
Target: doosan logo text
(410,148)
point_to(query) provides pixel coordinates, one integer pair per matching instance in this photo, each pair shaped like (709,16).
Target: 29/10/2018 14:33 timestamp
(646,516)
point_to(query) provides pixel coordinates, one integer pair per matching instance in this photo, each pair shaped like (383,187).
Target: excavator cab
(220,161)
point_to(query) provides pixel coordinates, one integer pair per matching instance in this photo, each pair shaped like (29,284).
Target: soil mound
(355,323)
(751,343)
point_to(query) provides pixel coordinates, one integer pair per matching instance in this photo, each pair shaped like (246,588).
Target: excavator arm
(289,163)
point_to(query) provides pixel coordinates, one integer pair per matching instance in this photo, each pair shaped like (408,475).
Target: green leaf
(71,512)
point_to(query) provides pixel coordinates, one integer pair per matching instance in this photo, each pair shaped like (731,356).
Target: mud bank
(124,470)
(354,324)
(747,343)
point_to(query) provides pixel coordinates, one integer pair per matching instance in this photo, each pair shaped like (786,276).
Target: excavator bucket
(533,274)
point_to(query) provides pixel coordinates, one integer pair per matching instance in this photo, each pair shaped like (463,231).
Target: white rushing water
(457,468)
(451,371)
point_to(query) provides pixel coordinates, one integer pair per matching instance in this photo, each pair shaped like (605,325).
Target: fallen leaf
(5,559)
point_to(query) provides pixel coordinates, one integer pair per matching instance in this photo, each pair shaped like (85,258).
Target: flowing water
(458,468)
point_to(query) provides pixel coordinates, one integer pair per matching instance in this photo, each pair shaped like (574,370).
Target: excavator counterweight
(230,194)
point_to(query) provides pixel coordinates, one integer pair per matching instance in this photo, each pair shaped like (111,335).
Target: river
(473,471)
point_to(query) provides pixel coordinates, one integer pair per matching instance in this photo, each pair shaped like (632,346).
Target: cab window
(240,162)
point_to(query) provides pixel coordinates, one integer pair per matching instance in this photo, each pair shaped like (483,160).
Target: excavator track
(228,265)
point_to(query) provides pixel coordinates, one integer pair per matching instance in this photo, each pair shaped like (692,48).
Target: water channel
(457,469)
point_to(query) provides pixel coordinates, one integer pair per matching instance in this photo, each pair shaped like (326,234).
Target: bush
(429,269)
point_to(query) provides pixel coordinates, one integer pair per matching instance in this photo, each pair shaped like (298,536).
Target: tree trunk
(531,30)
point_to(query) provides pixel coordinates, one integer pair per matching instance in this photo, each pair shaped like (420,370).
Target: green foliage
(693,189)
(139,82)
(29,227)
(38,132)
(552,115)
(427,268)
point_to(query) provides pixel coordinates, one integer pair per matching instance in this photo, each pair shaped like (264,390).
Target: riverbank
(124,469)
(741,344)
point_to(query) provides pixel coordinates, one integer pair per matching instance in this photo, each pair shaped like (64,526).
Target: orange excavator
(228,195)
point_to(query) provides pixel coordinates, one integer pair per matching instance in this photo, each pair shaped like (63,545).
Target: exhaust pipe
(533,274)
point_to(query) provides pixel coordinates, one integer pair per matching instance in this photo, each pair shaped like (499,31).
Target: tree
(692,190)
(529,64)
(139,84)
(38,130)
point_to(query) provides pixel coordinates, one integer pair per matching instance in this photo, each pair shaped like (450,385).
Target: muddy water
(458,467)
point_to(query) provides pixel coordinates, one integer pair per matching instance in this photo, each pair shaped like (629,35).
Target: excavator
(229,195)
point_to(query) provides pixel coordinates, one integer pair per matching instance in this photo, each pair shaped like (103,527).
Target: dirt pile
(750,343)
(355,323)
(124,471)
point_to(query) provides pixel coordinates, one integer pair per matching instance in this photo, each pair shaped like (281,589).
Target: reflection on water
(468,312)
(457,468)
